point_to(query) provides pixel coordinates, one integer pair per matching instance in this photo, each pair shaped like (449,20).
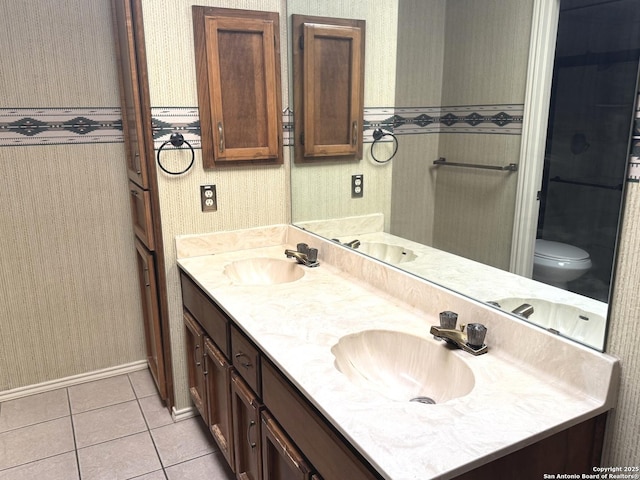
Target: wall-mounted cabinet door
(239,92)
(328,82)
(151,316)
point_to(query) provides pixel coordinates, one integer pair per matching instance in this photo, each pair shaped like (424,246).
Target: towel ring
(177,140)
(377,135)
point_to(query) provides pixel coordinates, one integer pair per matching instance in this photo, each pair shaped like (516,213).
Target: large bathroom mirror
(534,129)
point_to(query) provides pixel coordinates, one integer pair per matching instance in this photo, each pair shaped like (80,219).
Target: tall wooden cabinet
(143,188)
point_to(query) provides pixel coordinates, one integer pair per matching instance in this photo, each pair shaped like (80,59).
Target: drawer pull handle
(251,424)
(246,364)
(195,355)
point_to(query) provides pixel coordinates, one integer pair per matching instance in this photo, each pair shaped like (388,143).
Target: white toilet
(556,263)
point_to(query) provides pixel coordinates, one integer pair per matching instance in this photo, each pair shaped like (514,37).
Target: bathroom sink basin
(263,271)
(403,367)
(386,252)
(567,320)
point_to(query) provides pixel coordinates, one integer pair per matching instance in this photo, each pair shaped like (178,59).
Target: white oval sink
(263,271)
(387,253)
(402,367)
(568,320)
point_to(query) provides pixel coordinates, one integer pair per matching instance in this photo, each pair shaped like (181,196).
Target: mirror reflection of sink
(387,253)
(403,367)
(568,320)
(263,271)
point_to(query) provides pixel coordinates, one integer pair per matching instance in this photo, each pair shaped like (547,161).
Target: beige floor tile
(123,458)
(33,409)
(108,423)
(182,441)
(143,383)
(211,467)
(60,467)
(155,412)
(157,475)
(101,393)
(36,442)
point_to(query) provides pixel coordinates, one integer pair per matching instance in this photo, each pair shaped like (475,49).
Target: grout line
(73,430)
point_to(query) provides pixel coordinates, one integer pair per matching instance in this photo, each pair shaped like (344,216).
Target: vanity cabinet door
(195,363)
(220,415)
(246,430)
(281,460)
(238,78)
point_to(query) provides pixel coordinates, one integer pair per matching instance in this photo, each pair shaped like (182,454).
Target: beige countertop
(530,385)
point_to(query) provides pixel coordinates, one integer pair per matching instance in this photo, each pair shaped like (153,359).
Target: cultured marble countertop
(516,400)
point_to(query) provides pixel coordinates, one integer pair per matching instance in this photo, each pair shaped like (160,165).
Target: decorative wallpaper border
(68,126)
(56,126)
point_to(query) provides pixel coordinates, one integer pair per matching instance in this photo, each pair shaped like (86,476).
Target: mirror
(454,79)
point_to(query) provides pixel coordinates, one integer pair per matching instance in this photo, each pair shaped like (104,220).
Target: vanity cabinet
(328,87)
(238,79)
(268,430)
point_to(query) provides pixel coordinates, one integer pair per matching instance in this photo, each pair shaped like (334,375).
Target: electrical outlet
(357,186)
(208,198)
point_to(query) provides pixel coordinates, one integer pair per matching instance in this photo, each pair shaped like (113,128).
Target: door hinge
(302,139)
(301,42)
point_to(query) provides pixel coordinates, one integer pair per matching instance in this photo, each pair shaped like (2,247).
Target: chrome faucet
(304,255)
(525,310)
(469,338)
(352,244)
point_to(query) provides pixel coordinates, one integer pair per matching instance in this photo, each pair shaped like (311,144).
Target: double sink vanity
(330,372)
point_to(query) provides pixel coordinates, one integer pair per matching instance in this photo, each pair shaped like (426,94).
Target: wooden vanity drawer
(246,359)
(327,451)
(207,313)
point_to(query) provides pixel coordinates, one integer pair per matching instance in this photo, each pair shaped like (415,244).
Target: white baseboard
(72,380)
(183,413)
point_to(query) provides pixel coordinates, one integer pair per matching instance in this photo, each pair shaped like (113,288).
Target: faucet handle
(475,334)
(302,248)
(312,254)
(448,319)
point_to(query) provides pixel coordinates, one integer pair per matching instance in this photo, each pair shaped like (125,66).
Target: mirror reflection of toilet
(556,263)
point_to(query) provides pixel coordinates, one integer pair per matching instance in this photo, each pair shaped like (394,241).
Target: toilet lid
(549,249)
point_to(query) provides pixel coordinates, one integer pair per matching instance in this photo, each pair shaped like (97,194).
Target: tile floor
(109,429)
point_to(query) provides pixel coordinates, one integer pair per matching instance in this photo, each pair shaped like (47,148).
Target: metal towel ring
(177,140)
(377,135)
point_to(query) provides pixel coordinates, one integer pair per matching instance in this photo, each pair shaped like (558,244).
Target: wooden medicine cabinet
(239,90)
(328,86)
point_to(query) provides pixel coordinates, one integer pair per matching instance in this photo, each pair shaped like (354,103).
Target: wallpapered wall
(69,301)
(60,141)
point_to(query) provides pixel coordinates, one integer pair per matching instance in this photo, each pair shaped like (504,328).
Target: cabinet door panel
(127,32)
(246,430)
(239,92)
(195,363)
(219,399)
(151,316)
(141,214)
(281,460)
